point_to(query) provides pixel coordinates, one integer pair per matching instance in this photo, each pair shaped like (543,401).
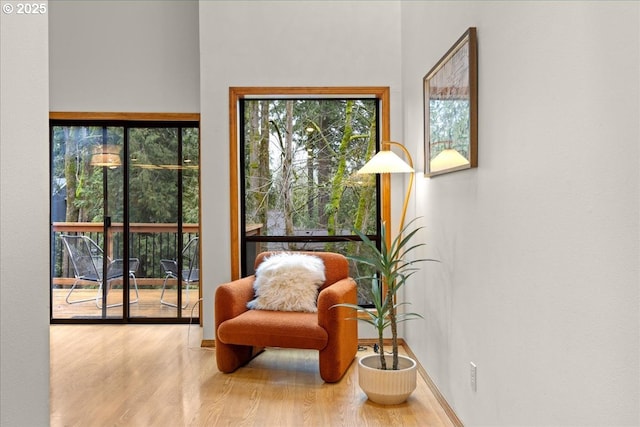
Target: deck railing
(148,242)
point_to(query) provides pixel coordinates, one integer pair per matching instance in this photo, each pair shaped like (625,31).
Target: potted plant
(387,380)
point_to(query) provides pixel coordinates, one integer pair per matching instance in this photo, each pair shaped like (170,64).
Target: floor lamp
(386,161)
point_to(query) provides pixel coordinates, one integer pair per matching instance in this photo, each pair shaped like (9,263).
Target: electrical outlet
(474,377)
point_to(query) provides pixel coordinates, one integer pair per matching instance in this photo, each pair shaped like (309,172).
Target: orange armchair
(242,333)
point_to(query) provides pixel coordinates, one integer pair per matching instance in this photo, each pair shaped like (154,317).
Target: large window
(299,190)
(125,208)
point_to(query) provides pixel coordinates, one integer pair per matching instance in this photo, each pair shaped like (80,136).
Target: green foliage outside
(305,179)
(300,162)
(155,176)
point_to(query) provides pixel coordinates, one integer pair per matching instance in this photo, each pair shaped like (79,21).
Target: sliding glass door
(164,216)
(124,221)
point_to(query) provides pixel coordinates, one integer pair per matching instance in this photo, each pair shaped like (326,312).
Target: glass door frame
(126,121)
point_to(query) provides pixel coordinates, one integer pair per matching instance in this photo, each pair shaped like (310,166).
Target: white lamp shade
(448,159)
(385,161)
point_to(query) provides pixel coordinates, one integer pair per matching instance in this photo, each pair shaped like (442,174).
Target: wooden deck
(148,304)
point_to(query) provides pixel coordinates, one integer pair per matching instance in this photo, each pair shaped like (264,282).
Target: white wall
(24,210)
(273,43)
(124,56)
(538,283)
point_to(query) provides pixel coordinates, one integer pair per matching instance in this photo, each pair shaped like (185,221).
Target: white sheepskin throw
(288,281)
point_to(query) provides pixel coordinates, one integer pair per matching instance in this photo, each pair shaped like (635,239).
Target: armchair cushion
(264,328)
(288,282)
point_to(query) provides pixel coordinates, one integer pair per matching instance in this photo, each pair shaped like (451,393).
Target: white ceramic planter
(387,387)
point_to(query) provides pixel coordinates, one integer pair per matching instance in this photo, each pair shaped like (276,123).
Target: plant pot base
(387,387)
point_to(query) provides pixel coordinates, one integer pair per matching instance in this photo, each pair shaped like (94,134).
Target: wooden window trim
(381,93)
(114,116)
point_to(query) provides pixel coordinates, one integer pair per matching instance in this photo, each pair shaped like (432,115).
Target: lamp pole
(409,187)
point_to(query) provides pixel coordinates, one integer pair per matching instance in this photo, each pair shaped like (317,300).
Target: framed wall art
(451,109)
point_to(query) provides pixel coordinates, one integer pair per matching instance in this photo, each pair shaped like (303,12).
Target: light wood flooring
(158,375)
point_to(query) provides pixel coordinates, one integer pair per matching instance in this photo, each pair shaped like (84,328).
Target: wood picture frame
(451,109)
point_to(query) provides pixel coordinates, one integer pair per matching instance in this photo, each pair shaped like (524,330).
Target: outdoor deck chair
(190,274)
(86,258)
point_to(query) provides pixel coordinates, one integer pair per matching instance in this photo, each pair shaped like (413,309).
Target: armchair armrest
(230,301)
(232,298)
(342,291)
(342,329)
